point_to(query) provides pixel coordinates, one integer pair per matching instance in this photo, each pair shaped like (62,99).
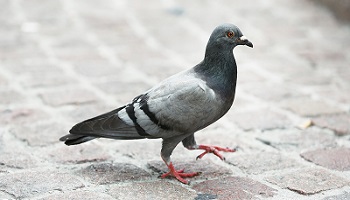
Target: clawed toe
(179,174)
(215,150)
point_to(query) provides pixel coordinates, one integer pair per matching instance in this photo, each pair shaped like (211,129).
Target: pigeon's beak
(244,41)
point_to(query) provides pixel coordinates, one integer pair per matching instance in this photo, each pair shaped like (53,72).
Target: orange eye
(230,34)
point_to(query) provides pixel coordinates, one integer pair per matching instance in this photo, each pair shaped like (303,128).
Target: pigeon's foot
(213,149)
(179,174)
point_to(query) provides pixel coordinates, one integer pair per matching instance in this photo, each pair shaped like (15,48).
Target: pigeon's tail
(107,125)
(71,139)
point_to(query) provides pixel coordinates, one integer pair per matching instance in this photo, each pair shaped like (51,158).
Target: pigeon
(177,107)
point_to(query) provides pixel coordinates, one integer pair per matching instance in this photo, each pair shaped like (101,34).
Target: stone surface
(88,152)
(156,190)
(138,149)
(41,134)
(297,140)
(337,158)
(108,173)
(3,195)
(21,115)
(10,97)
(271,92)
(123,88)
(77,195)
(339,123)
(259,163)
(305,106)
(262,119)
(29,184)
(234,188)
(339,8)
(85,111)
(105,68)
(65,97)
(344,196)
(17,159)
(308,181)
(46,79)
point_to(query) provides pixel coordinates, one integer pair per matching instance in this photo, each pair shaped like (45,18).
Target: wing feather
(107,125)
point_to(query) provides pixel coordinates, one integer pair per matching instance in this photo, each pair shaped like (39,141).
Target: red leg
(178,174)
(212,149)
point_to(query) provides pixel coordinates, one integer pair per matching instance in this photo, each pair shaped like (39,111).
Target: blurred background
(63,61)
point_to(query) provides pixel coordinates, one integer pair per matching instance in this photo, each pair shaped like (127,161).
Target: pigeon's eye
(230,34)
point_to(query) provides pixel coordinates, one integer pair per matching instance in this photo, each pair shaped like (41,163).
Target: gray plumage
(178,106)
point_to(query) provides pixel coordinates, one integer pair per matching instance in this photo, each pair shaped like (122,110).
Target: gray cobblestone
(308,181)
(239,187)
(21,115)
(337,158)
(340,123)
(36,135)
(344,196)
(262,162)
(298,140)
(78,154)
(64,97)
(308,107)
(264,119)
(28,184)
(107,173)
(151,190)
(17,159)
(77,195)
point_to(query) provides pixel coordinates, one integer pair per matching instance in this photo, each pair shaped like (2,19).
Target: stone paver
(262,162)
(337,159)
(238,187)
(42,134)
(344,196)
(308,181)
(264,119)
(107,173)
(339,123)
(62,97)
(28,184)
(151,190)
(297,140)
(77,154)
(76,195)
(21,115)
(64,61)
(17,159)
(305,106)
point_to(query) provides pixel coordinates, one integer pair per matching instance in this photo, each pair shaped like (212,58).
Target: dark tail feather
(107,125)
(71,139)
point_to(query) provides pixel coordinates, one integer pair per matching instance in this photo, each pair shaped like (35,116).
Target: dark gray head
(228,36)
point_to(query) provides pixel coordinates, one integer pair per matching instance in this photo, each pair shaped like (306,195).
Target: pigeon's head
(229,36)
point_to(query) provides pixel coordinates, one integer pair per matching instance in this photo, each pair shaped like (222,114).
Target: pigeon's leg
(190,143)
(167,148)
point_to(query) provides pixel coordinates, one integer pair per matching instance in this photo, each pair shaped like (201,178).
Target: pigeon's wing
(107,125)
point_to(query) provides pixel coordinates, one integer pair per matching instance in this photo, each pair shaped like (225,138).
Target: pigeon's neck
(219,70)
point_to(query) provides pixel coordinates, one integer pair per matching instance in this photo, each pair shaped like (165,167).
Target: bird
(177,107)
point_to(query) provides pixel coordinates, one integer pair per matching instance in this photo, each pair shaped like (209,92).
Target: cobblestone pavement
(62,61)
